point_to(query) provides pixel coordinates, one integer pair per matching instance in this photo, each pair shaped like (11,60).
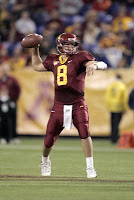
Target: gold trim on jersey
(61,59)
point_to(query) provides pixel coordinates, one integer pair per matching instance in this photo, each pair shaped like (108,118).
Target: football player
(69,68)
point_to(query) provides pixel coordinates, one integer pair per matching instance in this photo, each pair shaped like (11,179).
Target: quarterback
(69,68)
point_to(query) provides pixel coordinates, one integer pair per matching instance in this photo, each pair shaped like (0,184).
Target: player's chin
(69,52)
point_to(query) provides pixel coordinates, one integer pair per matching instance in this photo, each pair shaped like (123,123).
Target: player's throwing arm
(94,65)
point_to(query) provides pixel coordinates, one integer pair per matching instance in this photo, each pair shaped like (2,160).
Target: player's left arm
(94,65)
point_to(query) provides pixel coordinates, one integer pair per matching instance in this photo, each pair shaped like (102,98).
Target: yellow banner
(37,97)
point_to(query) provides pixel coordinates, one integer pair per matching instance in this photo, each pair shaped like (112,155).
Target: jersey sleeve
(48,62)
(84,57)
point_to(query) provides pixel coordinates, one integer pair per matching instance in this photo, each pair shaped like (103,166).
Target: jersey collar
(61,59)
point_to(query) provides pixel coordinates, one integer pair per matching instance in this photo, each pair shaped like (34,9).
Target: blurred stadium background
(105,28)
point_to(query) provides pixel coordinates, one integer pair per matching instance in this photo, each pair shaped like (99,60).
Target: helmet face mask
(67,43)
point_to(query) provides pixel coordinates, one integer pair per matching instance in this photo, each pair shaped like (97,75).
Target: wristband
(101,65)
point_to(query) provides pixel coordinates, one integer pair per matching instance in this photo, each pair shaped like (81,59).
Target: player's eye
(75,44)
(65,43)
(72,43)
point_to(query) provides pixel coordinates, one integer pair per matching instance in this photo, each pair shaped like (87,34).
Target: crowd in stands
(104,27)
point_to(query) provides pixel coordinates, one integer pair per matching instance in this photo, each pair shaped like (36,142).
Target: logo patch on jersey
(55,62)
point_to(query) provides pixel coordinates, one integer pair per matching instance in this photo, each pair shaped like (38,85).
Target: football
(31,40)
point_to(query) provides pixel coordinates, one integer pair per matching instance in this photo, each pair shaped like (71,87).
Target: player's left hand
(90,70)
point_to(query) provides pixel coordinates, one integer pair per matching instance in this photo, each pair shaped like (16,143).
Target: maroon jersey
(69,76)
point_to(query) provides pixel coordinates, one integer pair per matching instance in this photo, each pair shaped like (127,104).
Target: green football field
(20,172)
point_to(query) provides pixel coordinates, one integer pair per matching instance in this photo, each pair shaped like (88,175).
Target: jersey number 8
(62,75)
